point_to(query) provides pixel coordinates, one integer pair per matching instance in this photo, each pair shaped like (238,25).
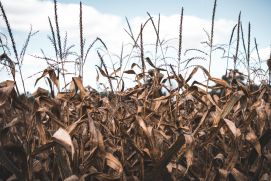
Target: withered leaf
(52,76)
(232,127)
(79,85)
(227,107)
(104,74)
(114,163)
(6,88)
(62,137)
(129,72)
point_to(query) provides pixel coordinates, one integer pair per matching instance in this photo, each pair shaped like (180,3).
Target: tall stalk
(248,53)
(13,45)
(180,41)
(237,44)
(59,43)
(142,54)
(269,68)
(211,42)
(229,47)
(81,43)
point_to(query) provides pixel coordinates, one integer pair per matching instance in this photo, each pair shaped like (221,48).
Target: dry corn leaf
(12,123)
(216,80)
(42,133)
(265,177)
(227,107)
(11,64)
(62,137)
(72,127)
(92,129)
(223,174)
(5,90)
(72,178)
(114,163)
(79,85)
(253,139)
(235,131)
(189,141)
(63,162)
(143,125)
(115,72)
(130,72)
(238,175)
(104,73)
(189,158)
(52,76)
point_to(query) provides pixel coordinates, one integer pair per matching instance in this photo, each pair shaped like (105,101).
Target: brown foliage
(137,134)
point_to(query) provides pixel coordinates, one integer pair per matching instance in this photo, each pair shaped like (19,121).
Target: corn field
(219,130)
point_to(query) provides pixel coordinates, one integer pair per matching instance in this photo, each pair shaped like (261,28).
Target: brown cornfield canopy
(137,134)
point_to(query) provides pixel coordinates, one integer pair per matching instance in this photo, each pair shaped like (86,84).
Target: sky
(106,19)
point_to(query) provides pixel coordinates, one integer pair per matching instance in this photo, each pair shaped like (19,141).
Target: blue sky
(258,12)
(106,19)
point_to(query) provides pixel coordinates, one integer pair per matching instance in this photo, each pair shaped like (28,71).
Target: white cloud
(264,53)
(22,13)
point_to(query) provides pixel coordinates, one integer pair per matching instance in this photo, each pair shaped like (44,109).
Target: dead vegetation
(140,133)
(137,134)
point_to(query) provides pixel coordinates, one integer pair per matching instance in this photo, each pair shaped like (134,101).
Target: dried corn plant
(139,133)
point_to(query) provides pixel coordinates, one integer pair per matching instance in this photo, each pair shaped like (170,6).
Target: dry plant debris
(136,134)
(140,133)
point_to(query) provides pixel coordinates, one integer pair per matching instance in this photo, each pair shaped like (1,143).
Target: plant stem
(211,43)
